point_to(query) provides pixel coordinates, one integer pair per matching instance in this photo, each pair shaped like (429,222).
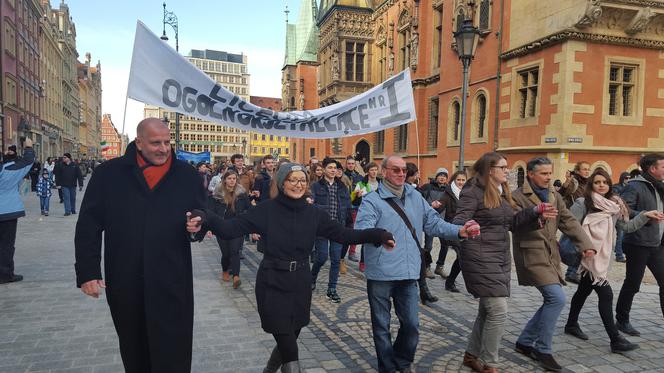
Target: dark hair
(634,173)
(456,174)
(482,170)
(588,193)
(536,162)
(236,156)
(623,176)
(369,166)
(558,183)
(328,160)
(650,160)
(411,169)
(350,157)
(265,158)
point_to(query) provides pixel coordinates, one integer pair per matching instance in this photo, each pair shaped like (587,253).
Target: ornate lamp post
(171,19)
(466,41)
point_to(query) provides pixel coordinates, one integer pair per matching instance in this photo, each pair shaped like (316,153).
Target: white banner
(161,76)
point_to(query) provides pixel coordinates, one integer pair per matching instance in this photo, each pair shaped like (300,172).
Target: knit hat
(68,155)
(442,170)
(284,170)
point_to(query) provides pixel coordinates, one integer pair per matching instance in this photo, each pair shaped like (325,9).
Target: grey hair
(536,162)
(386,160)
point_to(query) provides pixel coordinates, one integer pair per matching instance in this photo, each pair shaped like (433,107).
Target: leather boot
(342,267)
(274,363)
(291,367)
(471,362)
(425,295)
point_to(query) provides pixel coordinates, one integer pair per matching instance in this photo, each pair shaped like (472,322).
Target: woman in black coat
(228,200)
(290,226)
(486,262)
(449,203)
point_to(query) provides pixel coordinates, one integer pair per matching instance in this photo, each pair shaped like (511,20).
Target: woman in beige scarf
(603,211)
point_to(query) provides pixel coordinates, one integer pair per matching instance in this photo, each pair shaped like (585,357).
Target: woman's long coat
(290,228)
(147,258)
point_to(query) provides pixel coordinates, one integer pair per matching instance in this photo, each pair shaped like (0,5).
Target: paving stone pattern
(48,325)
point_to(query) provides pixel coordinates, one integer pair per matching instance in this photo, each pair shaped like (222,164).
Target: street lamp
(466,41)
(171,19)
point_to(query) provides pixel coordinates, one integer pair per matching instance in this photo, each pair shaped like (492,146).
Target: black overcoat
(147,258)
(290,228)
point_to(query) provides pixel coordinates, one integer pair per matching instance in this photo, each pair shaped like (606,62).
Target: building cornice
(641,3)
(576,148)
(563,36)
(426,81)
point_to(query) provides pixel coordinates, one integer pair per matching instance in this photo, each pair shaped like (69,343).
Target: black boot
(620,344)
(274,363)
(575,330)
(425,294)
(291,367)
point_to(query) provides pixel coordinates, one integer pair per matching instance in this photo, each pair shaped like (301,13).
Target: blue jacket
(44,187)
(320,195)
(11,175)
(403,262)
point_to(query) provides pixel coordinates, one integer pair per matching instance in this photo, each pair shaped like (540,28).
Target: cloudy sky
(253,27)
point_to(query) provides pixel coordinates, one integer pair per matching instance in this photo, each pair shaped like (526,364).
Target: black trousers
(287,345)
(605,294)
(230,254)
(638,258)
(7,248)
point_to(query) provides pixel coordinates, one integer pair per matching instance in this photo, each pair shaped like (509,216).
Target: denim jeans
(538,332)
(488,329)
(69,196)
(404,294)
(44,203)
(323,246)
(618,248)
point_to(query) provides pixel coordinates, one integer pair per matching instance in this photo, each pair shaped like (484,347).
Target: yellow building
(261,145)
(89,85)
(51,84)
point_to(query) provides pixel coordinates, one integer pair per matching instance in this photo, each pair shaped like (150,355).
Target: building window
(262,137)
(622,85)
(437,36)
(453,123)
(520,177)
(336,146)
(461,16)
(480,116)
(355,61)
(10,38)
(485,15)
(432,139)
(528,86)
(382,62)
(404,41)
(401,138)
(379,140)
(312,152)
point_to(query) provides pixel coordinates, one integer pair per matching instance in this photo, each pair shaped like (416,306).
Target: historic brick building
(112,138)
(565,79)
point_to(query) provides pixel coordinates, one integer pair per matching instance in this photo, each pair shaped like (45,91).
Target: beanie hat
(284,170)
(442,170)
(68,155)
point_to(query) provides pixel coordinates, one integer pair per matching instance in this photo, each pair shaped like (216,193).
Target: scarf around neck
(600,228)
(455,190)
(396,190)
(152,173)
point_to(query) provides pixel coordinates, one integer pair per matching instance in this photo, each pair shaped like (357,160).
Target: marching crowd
(150,207)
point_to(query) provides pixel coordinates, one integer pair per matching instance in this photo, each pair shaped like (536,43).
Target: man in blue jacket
(394,273)
(11,208)
(331,195)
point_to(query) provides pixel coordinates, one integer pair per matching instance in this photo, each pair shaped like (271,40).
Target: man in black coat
(139,201)
(66,177)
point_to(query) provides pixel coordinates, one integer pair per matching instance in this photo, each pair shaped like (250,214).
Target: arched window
(292,103)
(461,16)
(485,15)
(456,119)
(404,40)
(481,115)
(520,176)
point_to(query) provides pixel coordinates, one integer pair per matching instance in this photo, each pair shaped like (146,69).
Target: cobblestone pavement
(47,325)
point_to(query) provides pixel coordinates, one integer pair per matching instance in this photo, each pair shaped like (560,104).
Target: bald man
(139,202)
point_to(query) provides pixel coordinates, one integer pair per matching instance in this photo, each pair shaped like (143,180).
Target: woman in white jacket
(601,212)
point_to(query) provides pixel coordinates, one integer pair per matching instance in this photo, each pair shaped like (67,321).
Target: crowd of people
(382,216)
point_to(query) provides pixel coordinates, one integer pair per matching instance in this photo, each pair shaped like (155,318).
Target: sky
(106,29)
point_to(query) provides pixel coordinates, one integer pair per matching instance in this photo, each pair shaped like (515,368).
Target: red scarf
(153,174)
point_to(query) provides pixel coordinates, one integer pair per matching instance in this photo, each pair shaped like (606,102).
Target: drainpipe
(496,124)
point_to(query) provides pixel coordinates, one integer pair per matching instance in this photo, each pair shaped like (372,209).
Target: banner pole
(124,115)
(417,142)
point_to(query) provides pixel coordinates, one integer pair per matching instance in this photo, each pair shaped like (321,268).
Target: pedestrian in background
(12,171)
(433,193)
(449,203)
(65,178)
(44,192)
